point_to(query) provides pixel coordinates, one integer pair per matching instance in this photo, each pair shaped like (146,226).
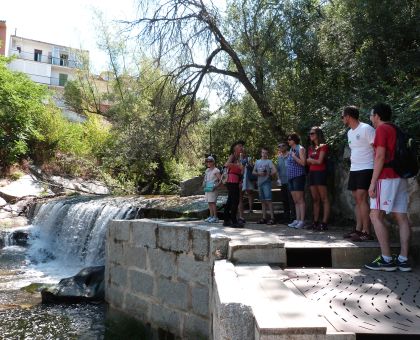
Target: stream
(64,237)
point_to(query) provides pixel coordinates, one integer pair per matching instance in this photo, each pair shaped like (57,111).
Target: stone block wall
(161,274)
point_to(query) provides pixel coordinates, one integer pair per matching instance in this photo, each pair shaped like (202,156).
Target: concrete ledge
(278,312)
(232,319)
(257,253)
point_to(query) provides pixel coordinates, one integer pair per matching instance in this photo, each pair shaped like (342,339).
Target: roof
(43,42)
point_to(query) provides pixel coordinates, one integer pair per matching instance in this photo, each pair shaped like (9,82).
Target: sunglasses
(312,133)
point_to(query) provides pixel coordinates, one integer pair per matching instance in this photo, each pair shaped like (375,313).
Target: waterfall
(71,232)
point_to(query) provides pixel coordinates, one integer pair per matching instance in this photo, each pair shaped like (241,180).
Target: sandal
(270,222)
(262,221)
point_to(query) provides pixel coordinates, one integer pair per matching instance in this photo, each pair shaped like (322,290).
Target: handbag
(209,186)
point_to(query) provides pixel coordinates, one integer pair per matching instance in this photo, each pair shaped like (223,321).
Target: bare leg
(381,231)
(270,209)
(405,232)
(301,204)
(295,201)
(316,199)
(362,202)
(264,209)
(250,199)
(359,223)
(212,208)
(323,193)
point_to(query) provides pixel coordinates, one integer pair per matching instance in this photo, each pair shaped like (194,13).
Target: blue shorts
(265,191)
(297,183)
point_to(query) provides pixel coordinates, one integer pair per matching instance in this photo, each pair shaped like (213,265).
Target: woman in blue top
(296,176)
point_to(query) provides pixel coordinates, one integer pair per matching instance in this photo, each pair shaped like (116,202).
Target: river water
(65,237)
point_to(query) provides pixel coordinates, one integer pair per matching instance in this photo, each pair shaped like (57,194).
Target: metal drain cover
(363,301)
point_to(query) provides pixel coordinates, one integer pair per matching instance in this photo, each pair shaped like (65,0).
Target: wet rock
(87,285)
(19,237)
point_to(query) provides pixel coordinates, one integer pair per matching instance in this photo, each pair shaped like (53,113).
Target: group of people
(371,177)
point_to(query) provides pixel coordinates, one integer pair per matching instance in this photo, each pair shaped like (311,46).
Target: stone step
(261,248)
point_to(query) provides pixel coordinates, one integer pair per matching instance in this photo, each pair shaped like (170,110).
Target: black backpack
(405,162)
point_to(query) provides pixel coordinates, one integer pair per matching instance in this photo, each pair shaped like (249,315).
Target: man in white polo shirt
(360,139)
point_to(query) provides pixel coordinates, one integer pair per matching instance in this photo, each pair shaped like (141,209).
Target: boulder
(192,186)
(70,185)
(86,286)
(23,187)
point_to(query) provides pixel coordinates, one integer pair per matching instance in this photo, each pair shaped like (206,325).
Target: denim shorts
(297,183)
(265,191)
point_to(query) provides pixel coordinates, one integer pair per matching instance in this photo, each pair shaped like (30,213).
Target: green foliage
(322,56)
(21,108)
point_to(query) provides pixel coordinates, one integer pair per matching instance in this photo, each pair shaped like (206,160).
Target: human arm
(321,159)
(377,169)
(302,156)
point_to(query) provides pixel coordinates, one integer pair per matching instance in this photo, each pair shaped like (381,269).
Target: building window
(38,55)
(62,79)
(64,59)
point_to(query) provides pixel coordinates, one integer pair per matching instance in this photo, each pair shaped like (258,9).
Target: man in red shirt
(388,193)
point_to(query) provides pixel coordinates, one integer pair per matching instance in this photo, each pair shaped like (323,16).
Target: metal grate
(363,301)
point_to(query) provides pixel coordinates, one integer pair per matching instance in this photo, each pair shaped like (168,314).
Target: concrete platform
(363,301)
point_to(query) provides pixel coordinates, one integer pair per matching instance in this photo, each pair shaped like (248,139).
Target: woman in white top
(211,181)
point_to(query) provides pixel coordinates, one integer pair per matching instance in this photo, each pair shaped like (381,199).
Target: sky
(72,23)
(68,23)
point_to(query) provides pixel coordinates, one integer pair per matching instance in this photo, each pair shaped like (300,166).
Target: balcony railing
(51,81)
(46,59)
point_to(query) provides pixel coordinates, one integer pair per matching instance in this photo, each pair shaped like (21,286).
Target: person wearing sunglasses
(211,182)
(296,176)
(317,177)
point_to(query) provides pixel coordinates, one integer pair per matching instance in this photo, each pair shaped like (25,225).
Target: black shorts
(360,179)
(317,178)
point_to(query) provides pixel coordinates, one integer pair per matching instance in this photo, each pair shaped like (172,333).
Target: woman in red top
(235,169)
(317,177)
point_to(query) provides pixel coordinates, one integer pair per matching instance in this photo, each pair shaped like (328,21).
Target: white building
(43,62)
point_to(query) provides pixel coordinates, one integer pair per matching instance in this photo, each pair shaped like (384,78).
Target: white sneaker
(300,225)
(214,220)
(292,225)
(208,219)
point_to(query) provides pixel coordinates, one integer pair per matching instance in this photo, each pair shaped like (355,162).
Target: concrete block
(200,242)
(341,336)
(257,253)
(162,317)
(219,247)
(120,230)
(172,293)
(135,256)
(143,233)
(141,283)
(174,238)
(162,262)
(114,296)
(115,252)
(196,327)
(200,300)
(191,270)
(232,319)
(137,307)
(354,257)
(118,276)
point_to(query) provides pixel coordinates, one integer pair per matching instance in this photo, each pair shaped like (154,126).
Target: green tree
(23,110)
